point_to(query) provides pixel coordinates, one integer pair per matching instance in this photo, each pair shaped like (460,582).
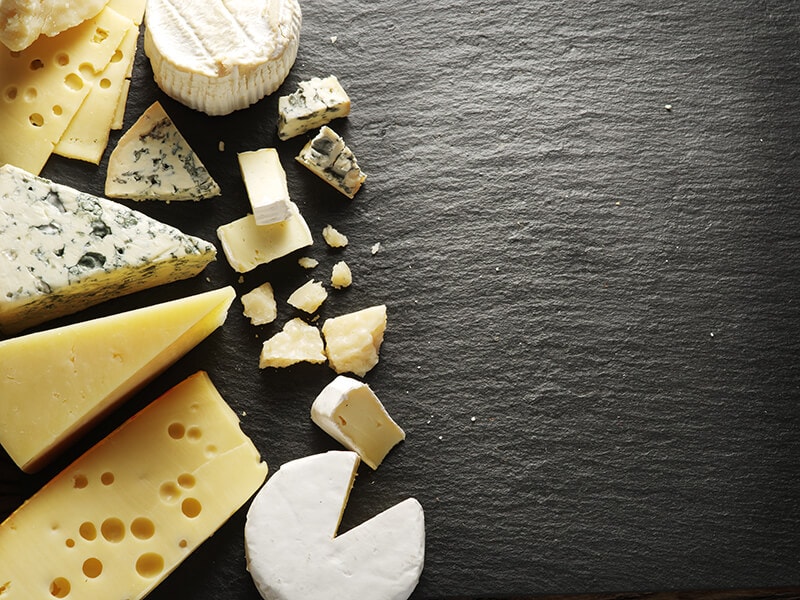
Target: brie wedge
(293,550)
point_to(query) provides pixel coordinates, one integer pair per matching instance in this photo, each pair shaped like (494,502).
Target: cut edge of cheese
(23,22)
(57,383)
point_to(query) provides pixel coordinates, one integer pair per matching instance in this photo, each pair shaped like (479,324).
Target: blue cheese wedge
(64,250)
(328,157)
(316,102)
(153,161)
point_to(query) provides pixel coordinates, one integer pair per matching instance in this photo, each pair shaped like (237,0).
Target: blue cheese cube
(328,157)
(316,102)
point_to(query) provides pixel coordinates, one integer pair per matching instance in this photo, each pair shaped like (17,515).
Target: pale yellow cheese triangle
(56,383)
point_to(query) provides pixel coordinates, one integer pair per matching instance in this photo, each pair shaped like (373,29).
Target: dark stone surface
(588,215)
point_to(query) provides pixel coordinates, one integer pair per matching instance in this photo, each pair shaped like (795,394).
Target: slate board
(588,218)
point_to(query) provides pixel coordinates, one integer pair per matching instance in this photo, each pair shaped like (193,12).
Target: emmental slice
(153,161)
(56,383)
(124,515)
(65,250)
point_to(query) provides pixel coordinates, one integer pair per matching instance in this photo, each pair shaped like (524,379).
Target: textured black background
(588,214)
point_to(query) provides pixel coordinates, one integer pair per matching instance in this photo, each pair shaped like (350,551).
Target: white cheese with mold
(329,158)
(315,103)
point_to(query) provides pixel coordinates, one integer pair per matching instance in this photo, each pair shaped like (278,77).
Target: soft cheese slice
(124,515)
(293,550)
(328,157)
(43,86)
(153,161)
(353,340)
(350,412)
(219,56)
(247,245)
(265,181)
(64,250)
(56,383)
(23,21)
(316,102)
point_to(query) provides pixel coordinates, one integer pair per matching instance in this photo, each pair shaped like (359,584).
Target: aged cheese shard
(341,276)
(153,161)
(293,550)
(308,297)
(219,56)
(23,21)
(123,516)
(296,342)
(353,340)
(54,384)
(259,305)
(328,157)
(350,412)
(316,102)
(265,181)
(64,250)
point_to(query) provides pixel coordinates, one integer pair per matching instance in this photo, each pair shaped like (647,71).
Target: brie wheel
(220,56)
(293,550)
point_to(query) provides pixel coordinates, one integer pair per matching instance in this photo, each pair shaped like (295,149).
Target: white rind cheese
(64,250)
(293,550)
(316,102)
(220,56)
(23,21)
(153,161)
(265,181)
(350,412)
(328,157)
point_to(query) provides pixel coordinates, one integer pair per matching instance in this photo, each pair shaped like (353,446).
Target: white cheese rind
(350,412)
(64,250)
(329,158)
(293,552)
(23,21)
(316,102)
(220,56)
(153,161)
(265,182)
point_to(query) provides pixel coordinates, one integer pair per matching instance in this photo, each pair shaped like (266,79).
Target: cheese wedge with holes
(23,21)
(44,86)
(123,516)
(54,384)
(153,161)
(293,550)
(63,250)
(218,56)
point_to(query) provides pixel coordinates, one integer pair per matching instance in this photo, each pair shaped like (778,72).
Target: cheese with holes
(58,382)
(293,550)
(218,56)
(124,515)
(44,86)
(247,245)
(265,181)
(350,412)
(296,342)
(308,297)
(329,158)
(353,340)
(315,103)
(259,305)
(64,250)
(23,21)
(153,161)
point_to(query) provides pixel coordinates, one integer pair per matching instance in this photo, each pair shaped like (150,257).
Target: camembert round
(221,56)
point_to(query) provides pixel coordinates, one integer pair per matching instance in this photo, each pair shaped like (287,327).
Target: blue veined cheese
(153,161)
(64,250)
(328,157)
(316,102)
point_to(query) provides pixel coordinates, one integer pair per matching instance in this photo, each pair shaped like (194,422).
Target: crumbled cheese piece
(259,305)
(353,340)
(308,297)
(376,247)
(341,277)
(307,262)
(333,238)
(297,342)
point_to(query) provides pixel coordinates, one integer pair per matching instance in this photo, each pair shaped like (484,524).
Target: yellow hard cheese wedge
(56,383)
(118,520)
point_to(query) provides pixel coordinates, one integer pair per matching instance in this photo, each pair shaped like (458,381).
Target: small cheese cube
(308,297)
(297,342)
(353,340)
(329,158)
(341,277)
(333,238)
(259,305)
(315,103)
(265,181)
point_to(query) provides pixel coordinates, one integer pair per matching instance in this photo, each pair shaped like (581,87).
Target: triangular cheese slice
(56,383)
(63,250)
(153,161)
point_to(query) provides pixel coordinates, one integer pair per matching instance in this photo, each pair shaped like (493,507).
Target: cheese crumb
(259,305)
(376,247)
(307,262)
(333,238)
(308,297)
(341,277)
(353,340)
(297,342)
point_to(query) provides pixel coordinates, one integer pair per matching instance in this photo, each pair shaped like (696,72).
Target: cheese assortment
(218,56)
(329,158)
(350,412)
(316,102)
(124,515)
(293,550)
(265,181)
(65,250)
(57,383)
(22,22)
(153,161)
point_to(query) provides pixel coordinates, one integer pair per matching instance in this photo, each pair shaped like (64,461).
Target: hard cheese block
(57,383)
(23,21)
(120,518)
(153,161)
(293,552)
(64,250)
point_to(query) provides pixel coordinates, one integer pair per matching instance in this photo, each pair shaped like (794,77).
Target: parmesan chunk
(341,277)
(308,297)
(259,305)
(297,342)
(333,238)
(23,21)
(353,340)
